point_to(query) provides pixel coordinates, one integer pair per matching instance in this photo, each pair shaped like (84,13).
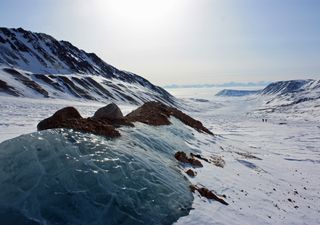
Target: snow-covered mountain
(233,93)
(293,97)
(37,65)
(285,93)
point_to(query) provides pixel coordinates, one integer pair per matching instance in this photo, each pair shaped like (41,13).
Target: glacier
(65,177)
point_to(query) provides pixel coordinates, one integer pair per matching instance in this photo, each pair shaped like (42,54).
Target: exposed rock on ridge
(156,113)
(107,119)
(70,118)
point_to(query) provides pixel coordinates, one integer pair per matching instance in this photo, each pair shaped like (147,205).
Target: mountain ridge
(237,93)
(34,54)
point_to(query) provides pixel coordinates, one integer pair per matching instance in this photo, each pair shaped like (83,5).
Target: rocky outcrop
(26,81)
(110,112)
(182,157)
(4,87)
(156,114)
(191,173)
(107,119)
(70,118)
(204,192)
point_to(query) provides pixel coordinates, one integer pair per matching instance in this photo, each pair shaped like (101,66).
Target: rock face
(156,114)
(110,112)
(70,118)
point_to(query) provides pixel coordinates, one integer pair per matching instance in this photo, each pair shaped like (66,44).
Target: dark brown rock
(191,173)
(111,112)
(106,119)
(204,192)
(195,163)
(70,118)
(156,114)
(192,188)
(182,157)
(199,157)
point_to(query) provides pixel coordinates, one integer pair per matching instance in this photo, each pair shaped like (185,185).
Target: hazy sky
(184,41)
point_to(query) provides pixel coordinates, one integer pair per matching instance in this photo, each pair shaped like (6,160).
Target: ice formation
(65,177)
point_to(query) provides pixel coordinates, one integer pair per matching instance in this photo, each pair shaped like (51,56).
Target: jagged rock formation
(152,113)
(37,65)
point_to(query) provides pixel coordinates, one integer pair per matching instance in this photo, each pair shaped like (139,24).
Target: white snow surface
(21,115)
(280,186)
(119,90)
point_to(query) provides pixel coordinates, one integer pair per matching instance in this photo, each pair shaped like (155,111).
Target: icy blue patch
(64,177)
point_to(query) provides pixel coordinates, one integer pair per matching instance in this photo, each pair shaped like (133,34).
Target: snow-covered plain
(271,172)
(21,115)
(280,185)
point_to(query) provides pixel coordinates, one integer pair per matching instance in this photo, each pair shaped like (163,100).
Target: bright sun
(142,13)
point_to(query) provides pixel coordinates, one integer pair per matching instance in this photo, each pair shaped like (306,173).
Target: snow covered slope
(230,92)
(296,96)
(37,65)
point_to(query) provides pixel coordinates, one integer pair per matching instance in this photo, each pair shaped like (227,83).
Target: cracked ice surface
(65,177)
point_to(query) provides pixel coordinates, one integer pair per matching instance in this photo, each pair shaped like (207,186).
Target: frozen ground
(21,115)
(279,186)
(271,172)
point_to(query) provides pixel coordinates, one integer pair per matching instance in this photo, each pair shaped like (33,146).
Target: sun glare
(142,13)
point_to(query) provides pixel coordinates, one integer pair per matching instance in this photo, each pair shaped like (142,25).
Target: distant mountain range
(228,84)
(237,93)
(37,65)
(292,96)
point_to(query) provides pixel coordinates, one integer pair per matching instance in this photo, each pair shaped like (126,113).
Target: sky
(184,41)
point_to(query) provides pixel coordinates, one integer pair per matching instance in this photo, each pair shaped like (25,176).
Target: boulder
(109,112)
(156,114)
(191,173)
(59,116)
(70,118)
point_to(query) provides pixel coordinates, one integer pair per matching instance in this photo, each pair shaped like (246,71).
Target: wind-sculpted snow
(65,177)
